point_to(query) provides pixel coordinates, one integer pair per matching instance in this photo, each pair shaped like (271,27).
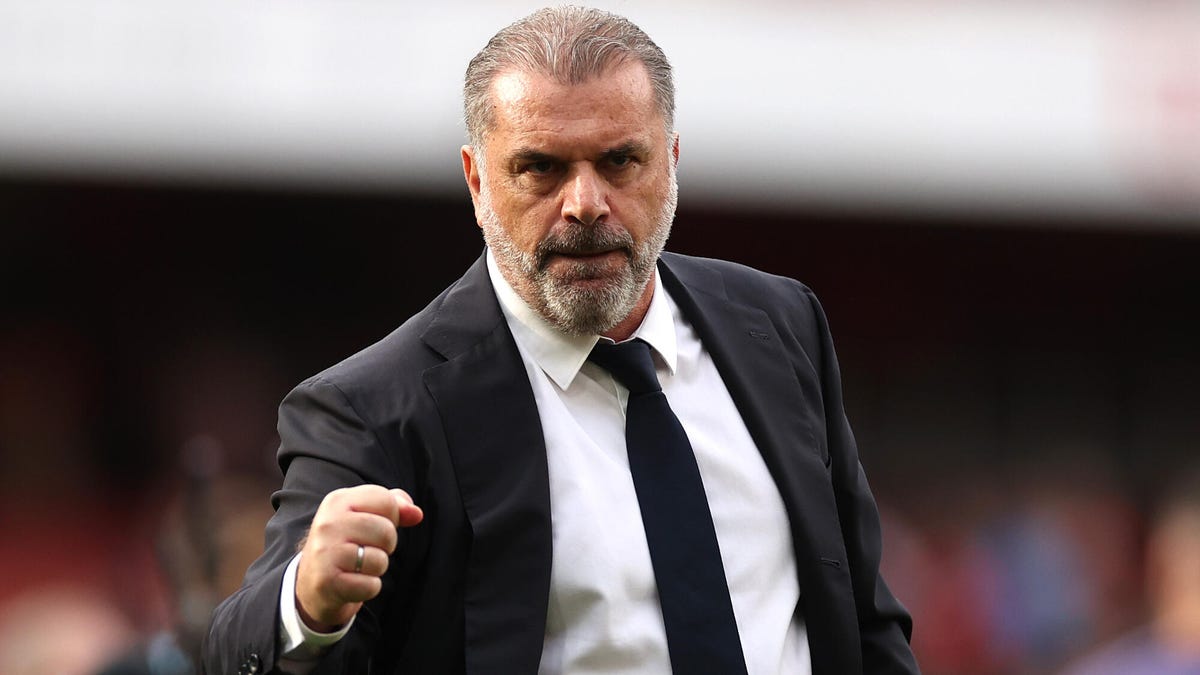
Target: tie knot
(630,363)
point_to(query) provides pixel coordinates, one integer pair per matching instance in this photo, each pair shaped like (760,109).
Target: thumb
(409,513)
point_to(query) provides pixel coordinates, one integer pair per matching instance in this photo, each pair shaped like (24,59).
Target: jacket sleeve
(885,627)
(324,445)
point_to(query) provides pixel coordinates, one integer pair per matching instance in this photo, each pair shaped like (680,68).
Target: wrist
(312,623)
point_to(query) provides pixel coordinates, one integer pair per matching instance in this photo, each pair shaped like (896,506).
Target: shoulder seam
(368,427)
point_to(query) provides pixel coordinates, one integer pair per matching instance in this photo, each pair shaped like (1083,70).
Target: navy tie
(702,635)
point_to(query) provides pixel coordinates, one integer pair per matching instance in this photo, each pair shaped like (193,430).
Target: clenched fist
(329,588)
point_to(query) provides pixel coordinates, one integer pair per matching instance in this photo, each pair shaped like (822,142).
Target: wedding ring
(358,559)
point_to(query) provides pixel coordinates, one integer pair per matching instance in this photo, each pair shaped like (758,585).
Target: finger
(408,513)
(402,497)
(369,529)
(329,531)
(374,499)
(409,516)
(374,561)
(350,587)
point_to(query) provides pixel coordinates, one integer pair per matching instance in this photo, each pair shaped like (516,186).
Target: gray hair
(570,45)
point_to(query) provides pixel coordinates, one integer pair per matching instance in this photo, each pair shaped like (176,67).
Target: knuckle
(321,554)
(322,529)
(371,587)
(390,539)
(366,494)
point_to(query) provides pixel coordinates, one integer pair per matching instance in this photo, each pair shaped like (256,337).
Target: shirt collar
(561,356)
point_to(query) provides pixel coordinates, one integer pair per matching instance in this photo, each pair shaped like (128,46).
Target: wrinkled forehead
(619,95)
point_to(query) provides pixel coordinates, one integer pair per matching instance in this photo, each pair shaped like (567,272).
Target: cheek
(526,221)
(640,208)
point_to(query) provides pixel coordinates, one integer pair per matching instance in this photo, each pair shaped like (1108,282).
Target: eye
(620,161)
(540,167)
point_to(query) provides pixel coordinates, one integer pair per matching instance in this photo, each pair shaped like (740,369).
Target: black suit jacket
(443,408)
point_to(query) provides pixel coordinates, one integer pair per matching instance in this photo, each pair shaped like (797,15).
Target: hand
(329,592)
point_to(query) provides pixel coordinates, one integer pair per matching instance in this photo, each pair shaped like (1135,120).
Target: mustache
(579,239)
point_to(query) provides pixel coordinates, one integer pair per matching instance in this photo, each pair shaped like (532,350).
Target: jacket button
(252,665)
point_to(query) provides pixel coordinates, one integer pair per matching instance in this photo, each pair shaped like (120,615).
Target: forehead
(531,109)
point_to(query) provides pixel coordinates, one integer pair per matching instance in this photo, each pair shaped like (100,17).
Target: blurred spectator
(210,532)
(61,630)
(79,576)
(1012,572)
(1062,546)
(935,555)
(111,564)
(1170,643)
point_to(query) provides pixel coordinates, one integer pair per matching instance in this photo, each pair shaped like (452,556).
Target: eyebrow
(528,154)
(628,148)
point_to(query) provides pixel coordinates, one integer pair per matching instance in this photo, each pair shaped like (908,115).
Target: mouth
(578,252)
(585,256)
(585,264)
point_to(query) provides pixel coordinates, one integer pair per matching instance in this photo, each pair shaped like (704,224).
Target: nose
(585,197)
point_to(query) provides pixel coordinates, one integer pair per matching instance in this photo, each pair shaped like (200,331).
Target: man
(466,495)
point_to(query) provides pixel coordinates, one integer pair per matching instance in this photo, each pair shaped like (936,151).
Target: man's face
(575,193)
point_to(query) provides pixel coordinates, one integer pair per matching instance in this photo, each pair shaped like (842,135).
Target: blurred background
(202,204)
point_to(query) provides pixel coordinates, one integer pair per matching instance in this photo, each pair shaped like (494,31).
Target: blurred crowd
(112,559)
(1050,567)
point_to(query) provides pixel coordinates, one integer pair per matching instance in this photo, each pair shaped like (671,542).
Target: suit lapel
(498,451)
(750,356)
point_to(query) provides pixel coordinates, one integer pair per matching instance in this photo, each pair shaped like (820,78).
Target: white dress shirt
(603,615)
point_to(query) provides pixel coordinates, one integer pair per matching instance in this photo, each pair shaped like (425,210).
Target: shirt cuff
(296,640)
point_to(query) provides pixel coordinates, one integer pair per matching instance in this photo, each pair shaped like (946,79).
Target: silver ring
(358,559)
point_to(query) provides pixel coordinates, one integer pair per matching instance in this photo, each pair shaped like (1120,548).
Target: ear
(675,148)
(470,164)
